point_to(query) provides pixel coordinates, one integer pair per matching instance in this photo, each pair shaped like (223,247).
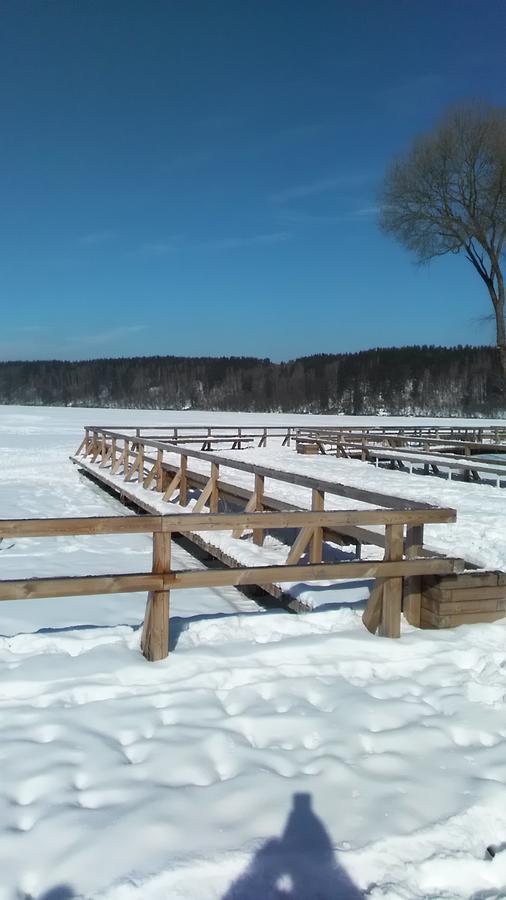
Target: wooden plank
(462,580)
(299,546)
(204,497)
(259,533)
(412,594)
(470,580)
(150,476)
(208,521)
(155,635)
(250,507)
(79,526)
(371,617)
(390,624)
(432,620)
(472,606)
(78,586)
(121,460)
(295,519)
(317,504)
(477,593)
(215,495)
(183,481)
(434,593)
(173,484)
(325,571)
(106,455)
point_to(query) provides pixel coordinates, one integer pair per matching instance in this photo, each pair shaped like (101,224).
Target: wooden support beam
(303,538)
(155,633)
(88,585)
(135,467)
(317,504)
(106,455)
(214,498)
(153,472)
(371,617)
(159,471)
(323,572)
(412,586)
(183,481)
(118,461)
(173,484)
(95,450)
(126,459)
(204,497)
(259,533)
(250,507)
(390,625)
(185,522)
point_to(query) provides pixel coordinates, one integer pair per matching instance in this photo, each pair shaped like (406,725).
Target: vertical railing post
(317,505)
(112,456)
(183,484)
(126,458)
(215,493)
(259,533)
(412,599)
(155,632)
(159,471)
(140,461)
(390,624)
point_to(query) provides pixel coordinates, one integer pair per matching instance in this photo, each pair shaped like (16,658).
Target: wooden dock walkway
(184,489)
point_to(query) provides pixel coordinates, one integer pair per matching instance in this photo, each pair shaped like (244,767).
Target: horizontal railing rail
(96,444)
(384,608)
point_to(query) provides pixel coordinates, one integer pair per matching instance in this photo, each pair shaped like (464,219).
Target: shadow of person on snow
(58,892)
(299,865)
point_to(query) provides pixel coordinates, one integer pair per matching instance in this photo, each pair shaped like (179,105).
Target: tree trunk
(498,301)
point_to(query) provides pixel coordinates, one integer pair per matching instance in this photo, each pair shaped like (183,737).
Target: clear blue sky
(201,176)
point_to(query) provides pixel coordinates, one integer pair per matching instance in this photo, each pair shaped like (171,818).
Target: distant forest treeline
(405,380)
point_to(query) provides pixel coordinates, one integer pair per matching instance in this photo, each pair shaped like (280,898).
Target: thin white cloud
(97,237)
(366,211)
(163,246)
(176,244)
(324,185)
(110,334)
(294,217)
(231,243)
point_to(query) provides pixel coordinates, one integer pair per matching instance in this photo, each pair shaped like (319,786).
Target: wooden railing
(401,567)
(208,435)
(479,434)
(133,458)
(471,434)
(343,441)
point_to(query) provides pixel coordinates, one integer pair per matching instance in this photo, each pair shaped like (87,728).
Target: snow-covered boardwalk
(478,535)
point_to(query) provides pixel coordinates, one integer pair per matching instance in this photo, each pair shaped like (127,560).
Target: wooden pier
(124,455)
(160,470)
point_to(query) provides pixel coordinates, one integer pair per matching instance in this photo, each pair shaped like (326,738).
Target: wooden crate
(450,600)
(307,448)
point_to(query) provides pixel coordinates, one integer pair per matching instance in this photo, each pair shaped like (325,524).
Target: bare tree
(448,195)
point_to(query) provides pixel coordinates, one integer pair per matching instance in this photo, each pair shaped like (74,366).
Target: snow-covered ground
(270,756)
